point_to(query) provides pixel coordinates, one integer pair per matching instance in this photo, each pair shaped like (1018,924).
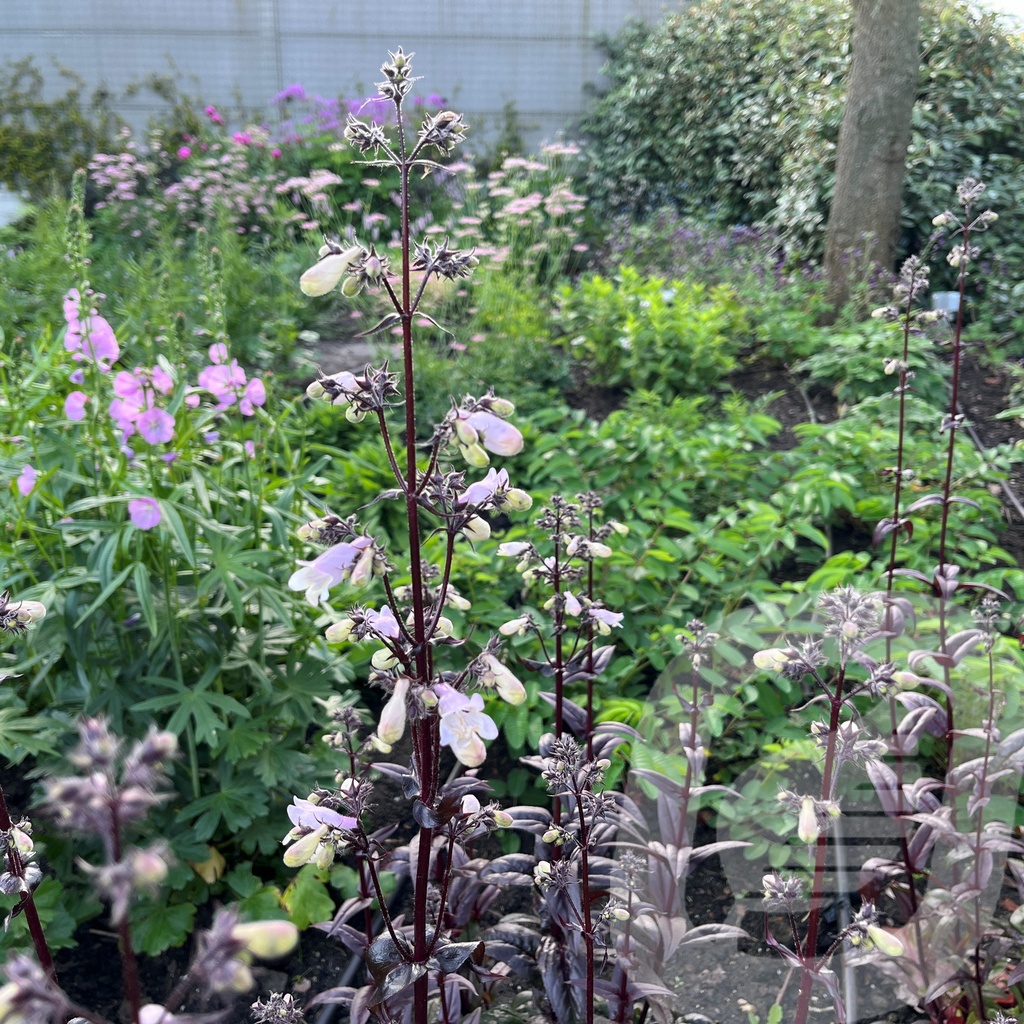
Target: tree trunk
(864,218)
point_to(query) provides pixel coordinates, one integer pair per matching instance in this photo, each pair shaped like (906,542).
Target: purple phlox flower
(327,570)
(305,814)
(464,726)
(144,513)
(74,406)
(26,481)
(477,493)
(383,623)
(156,426)
(495,434)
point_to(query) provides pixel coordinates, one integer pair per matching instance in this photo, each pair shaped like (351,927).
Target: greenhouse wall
(478,54)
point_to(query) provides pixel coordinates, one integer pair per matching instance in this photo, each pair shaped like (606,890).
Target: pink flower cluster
(134,407)
(228,384)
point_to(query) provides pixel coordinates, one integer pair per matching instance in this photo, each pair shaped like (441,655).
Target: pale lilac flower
(306,814)
(74,406)
(605,620)
(250,449)
(156,426)
(464,726)
(144,513)
(383,623)
(495,434)
(27,480)
(477,493)
(77,377)
(327,570)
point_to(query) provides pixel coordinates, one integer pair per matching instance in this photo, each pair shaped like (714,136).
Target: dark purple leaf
(924,502)
(402,977)
(883,778)
(448,959)
(424,816)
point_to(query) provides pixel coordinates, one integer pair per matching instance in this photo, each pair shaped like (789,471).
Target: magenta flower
(27,481)
(74,406)
(144,513)
(156,426)
(214,116)
(184,153)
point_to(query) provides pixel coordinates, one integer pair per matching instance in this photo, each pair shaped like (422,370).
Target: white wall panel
(479,54)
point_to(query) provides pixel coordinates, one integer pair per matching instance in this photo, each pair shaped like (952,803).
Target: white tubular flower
(383,659)
(774,659)
(514,548)
(392,718)
(28,612)
(476,528)
(807,825)
(494,674)
(515,627)
(339,632)
(304,850)
(325,274)
(267,939)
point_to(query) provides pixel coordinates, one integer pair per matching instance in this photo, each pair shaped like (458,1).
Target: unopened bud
(339,632)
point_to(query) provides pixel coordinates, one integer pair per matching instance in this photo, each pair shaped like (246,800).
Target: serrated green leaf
(306,899)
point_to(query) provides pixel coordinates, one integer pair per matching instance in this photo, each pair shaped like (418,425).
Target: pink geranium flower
(156,426)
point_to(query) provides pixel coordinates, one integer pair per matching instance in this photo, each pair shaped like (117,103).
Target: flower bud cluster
(865,931)
(439,259)
(398,78)
(29,994)
(781,893)
(850,744)
(277,1009)
(443,131)
(365,136)
(357,395)
(567,768)
(102,799)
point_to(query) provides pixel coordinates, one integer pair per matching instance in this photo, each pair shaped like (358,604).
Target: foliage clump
(730,111)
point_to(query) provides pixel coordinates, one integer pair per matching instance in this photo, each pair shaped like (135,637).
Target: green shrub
(669,337)
(730,111)
(43,141)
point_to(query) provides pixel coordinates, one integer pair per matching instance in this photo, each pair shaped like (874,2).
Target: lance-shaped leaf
(449,958)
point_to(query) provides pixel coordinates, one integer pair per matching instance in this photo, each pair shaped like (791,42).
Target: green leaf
(105,593)
(156,927)
(306,899)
